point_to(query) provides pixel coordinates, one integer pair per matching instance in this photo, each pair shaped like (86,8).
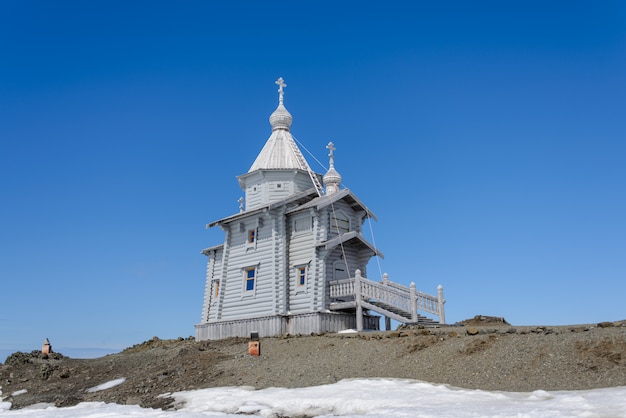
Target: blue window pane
(250,276)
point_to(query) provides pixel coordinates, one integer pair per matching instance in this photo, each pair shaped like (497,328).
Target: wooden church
(294,258)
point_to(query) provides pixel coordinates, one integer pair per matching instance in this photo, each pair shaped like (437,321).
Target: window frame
(252,236)
(303,225)
(247,279)
(301,276)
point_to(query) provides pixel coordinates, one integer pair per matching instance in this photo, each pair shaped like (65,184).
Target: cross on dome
(281,118)
(331,148)
(281,84)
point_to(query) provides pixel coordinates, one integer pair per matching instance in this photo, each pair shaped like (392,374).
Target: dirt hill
(481,353)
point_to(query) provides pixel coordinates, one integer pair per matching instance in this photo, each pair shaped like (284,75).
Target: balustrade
(403,298)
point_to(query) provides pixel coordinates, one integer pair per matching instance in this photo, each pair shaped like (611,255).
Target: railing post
(440,302)
(413,297)
(357,299)
(387,319)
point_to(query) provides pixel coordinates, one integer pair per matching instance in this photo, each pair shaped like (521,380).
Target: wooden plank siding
(320,230)
(278,260)
(340,210)
(270,186)
(236,302)
(282,243)
(301,254)
(310,323)
(254,196)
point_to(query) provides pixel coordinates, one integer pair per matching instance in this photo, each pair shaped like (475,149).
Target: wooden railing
(405,301)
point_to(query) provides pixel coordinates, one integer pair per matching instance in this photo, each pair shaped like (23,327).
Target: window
(301,276)
(250,277)
(251,236)
(303,224)
(339,223)
(216,286)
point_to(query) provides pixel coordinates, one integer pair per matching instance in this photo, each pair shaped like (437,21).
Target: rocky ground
(481,353)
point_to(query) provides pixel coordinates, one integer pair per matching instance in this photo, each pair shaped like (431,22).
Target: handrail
(403,298)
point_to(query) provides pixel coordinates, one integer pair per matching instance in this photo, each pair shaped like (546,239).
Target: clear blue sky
(488,137)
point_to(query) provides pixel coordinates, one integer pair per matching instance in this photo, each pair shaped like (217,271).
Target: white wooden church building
(294,258)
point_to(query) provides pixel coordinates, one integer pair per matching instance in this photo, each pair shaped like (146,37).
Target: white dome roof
(280,151)
(281,118)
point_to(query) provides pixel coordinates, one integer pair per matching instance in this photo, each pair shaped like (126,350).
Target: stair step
(422,320)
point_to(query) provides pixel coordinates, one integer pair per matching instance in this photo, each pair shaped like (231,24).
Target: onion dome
(281,118)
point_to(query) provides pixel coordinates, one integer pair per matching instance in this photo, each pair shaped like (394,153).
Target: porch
(392,300)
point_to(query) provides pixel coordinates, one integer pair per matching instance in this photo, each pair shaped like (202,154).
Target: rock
(472,331)
(45,371)
(484,320)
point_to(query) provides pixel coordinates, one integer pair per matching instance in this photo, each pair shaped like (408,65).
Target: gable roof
(353,237)
(344,194)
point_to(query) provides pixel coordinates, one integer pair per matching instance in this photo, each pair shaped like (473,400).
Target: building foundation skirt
(269,326)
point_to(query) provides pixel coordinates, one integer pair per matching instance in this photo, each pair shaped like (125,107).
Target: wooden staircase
(387,310)
(387,298)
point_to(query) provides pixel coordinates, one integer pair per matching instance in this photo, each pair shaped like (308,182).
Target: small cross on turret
(332,179)
(331,148)
(281,84)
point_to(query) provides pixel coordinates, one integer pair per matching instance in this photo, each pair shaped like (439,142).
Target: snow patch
(107,385)
(354,398)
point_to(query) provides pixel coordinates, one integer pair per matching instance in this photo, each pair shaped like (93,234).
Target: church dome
(332,177)
(281,118)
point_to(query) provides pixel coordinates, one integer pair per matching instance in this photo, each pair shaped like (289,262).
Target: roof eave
(348,236)
(296,198)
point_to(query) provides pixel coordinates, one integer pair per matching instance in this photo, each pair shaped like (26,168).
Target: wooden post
(440,302)
(357,299)
(387,319)
(413,296)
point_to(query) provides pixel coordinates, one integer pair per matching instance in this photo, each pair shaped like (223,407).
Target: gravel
(478,354)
